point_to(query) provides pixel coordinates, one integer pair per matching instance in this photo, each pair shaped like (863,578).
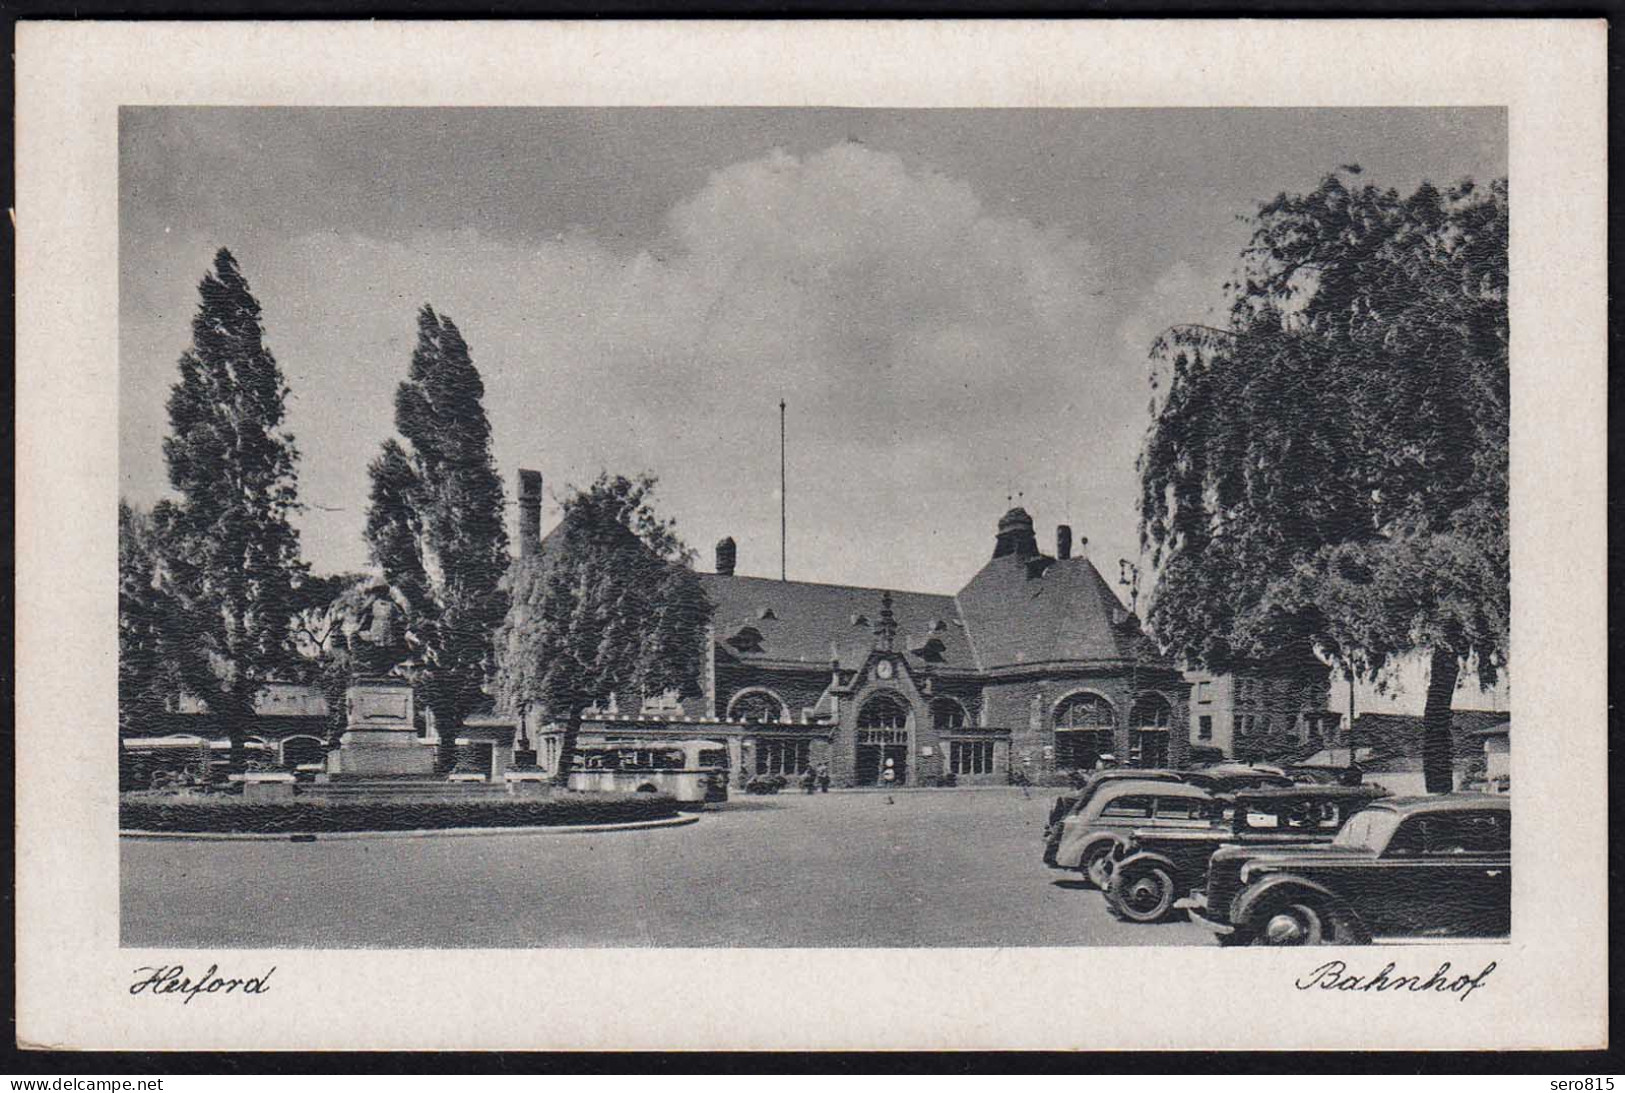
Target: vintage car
(1070,802)
(1326,775)
(1404,867)
(1318,774)
(1156,867)
(1229,776)
(1091,834)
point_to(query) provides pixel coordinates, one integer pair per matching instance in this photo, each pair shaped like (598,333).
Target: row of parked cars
(1287,855)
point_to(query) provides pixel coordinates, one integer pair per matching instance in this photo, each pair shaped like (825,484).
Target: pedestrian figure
(809,781)
(823,778)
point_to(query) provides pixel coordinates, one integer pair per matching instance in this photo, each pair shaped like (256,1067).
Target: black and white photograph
(971,520)
(804,530)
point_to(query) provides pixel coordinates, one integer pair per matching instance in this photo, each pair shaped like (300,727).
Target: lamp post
(1351,712)
(1128,575)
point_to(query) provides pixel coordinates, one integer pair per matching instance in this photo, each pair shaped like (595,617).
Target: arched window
(883,711)
(297,750)
(947,715)
(1083,731)
(1085,711)
(756,706)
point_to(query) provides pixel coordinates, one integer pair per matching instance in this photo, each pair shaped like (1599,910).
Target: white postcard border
(1550,985)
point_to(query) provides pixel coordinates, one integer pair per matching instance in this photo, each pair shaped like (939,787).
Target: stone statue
(375,631)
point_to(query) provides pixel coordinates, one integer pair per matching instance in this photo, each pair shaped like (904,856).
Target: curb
(442,832)
(910,789)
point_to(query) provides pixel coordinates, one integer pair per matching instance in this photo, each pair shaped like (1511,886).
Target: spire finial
(886,625)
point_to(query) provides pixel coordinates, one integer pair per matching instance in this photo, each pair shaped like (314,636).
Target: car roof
(1166,789)
(1287,793)
(1445,802)
(1225,770)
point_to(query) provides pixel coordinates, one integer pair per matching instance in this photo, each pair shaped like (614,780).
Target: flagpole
(783,519)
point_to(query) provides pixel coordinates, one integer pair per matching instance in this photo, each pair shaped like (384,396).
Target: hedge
(140,812)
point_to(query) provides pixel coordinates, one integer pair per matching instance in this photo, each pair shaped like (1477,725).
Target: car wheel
(1307,922)
(1143,894)
(1093,865)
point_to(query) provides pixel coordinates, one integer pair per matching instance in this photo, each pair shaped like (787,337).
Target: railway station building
(1034,664)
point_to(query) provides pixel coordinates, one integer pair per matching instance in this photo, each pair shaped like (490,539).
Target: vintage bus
(693,771)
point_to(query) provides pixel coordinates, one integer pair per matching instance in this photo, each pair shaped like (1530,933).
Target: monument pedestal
(381,738)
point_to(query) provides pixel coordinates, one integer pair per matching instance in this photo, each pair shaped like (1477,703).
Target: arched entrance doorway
(1149,722)
(882,740)
(758,707)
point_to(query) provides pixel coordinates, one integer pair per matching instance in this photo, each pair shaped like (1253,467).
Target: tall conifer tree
(231,556)
(435,525)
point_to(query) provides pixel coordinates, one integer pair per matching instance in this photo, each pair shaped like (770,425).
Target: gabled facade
(1033,665)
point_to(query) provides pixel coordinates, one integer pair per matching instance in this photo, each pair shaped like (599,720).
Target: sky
(955,305)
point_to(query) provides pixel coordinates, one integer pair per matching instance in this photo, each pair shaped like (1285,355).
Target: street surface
(947,868)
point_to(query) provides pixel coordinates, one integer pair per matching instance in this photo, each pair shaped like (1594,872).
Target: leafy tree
(1330,470)
(231,556)
(611,605)
(153,636)
(435,526)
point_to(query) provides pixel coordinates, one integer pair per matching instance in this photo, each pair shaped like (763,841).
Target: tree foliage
(611,605)
(1331,469)
(230,553)
(435,524)
(153,636)
(326,616)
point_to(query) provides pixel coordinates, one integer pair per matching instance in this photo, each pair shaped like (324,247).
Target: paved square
(947,868)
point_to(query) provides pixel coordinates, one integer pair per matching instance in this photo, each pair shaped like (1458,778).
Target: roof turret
(1016,535)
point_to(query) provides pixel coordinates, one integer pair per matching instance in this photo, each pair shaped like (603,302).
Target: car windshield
(1367,830)
(1294,815)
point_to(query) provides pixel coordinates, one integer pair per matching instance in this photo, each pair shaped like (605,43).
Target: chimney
(1063,541)
(530,512)
(727,554)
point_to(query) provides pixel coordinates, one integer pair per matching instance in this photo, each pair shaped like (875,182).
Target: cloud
(1183,293)
(935,356)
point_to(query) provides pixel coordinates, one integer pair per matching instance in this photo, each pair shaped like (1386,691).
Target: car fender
(1086,845)
(1259,895)
(1147,857)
